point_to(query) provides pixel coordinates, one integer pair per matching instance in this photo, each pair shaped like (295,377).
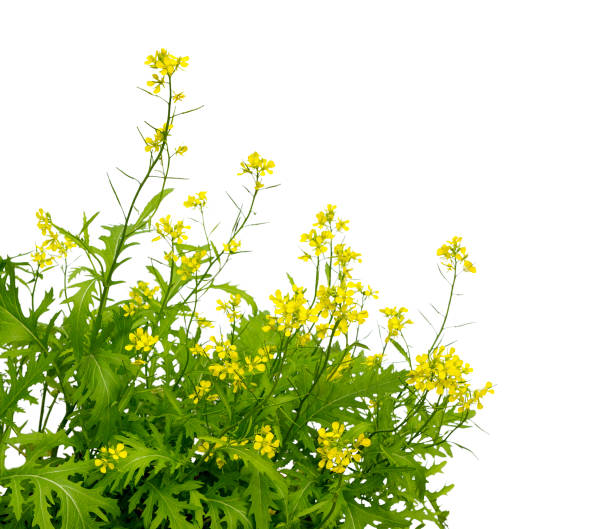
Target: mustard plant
(171,418)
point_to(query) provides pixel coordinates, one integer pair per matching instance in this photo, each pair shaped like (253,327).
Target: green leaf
(76,322)
(140,458)
(228,510)
(77,506)
(231,289)
(99,382)
(357,516)
(261,464)
(15,328)
(407,463)
(259,493)
(151,207)
(162,507)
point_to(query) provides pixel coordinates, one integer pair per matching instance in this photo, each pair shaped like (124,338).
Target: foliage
(280,418)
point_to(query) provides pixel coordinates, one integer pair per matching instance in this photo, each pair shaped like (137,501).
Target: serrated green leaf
(78,507)
(76,322)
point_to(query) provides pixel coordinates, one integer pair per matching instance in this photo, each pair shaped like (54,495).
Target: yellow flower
(129,309)
(396,321)
(232,246)
(453,253)
(202,389)
(166,63)
(181,149)
(174,233)
(196,201)
(108,455)
(196,350)
(336,452)
(158,82)
(258,165)
(342,225)
(265,442)
(141,339)
(178,97)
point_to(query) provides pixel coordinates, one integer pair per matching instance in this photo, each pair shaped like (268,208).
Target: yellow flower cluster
(161,136)
(453,253)
(316,240)
(444,371)
(291,312)
(172,233)
(108,455)
(257,167)
(141,294)
(321,237)
(229,365)
(230,307)
(166,63)
(190,265)
(196,201)
(203,388)
(209,452)
(197,350)
(141,339)
(265,442)
(42,256)
(338,302)
(255,163)
(232,246)
(395,321)
(337,453)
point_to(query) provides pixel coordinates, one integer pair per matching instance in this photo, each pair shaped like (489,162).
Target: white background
(420,121)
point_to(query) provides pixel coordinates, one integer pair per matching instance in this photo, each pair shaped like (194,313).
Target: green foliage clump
(276,419)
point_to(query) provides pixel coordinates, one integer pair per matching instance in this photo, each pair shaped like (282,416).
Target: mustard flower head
(141,340)
(174,233)
(453,253)
(190,265)
(291,312)
(166,63)
(140,296)
(108,455)
(230,307)
(201,390)
(256,164)
(161,136)
(196,201)
(444,372)
(265,443)
(232,246)
(336,452)
(52,248)
(395,321)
